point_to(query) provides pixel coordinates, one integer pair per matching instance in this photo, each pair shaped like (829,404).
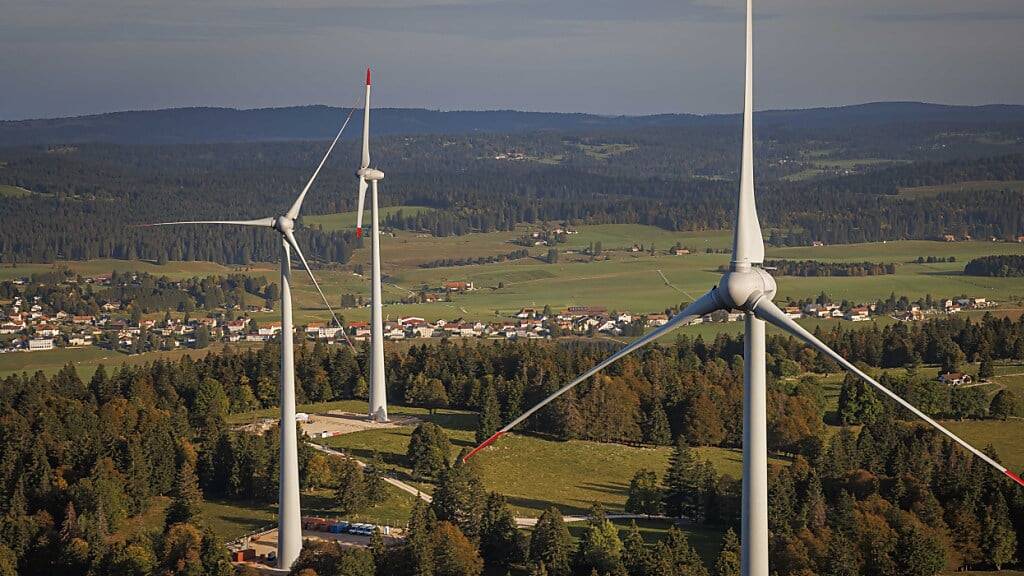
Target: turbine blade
(293,212)
(769,312)
(359,213)
(747,243)
(706,304)
(366,124)
(295,246)
(267,222)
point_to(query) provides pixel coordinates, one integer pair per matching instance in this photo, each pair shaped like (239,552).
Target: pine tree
(373,474)
(676,478)
(644,497)
(998,539)
(636,558)
(858,403)
(842,557)
(985,368)
(551,543)
(600,548)
(681,556)
(460,497)
(920,553)
(656,428)
(186,505)
(351,493)
(842,518)
(687,483)
(490,414)
(728,562)
(1006,404)
(428,450)
(501,543)
(420,539)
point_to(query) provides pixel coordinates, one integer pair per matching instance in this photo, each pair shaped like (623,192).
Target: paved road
(393,481)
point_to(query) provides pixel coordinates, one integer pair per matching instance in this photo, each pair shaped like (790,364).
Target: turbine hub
(741,288)
(284,224)
(370,174)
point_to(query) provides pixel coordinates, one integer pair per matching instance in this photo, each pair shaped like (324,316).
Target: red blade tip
(367,76)
(359,232)
(483,445)
(1016,478)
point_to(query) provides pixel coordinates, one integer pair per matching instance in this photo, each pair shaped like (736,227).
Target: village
(30,325)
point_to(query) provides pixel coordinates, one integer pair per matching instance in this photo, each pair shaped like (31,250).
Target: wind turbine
(749,288)
(289,520)
(378,409)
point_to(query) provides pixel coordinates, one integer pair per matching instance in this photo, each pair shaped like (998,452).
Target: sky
(73,57)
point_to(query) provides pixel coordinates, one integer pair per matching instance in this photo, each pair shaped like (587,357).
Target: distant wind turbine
(378,409)
(289,521)
(749,288)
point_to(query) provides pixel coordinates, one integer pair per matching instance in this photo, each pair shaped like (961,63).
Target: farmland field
(970,186)
(347,220)
(532,472)
(626,280)
(1003,435)
(87,358)
(6,190)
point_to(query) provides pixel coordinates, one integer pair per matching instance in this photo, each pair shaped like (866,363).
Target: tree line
(1004,266)
(815,268)
(680,180)
(448,262)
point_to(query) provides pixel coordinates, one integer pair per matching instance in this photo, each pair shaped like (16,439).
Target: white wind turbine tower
(749,288)
(378,409)
(289,520)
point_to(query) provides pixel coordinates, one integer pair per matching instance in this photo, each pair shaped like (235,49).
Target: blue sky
(68,57)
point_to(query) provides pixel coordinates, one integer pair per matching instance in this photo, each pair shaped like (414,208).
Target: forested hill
(858,174)
(210,125)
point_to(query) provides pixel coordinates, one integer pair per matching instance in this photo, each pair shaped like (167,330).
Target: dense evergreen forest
(79,459)
(822,177)
(1002,266)
(816,268)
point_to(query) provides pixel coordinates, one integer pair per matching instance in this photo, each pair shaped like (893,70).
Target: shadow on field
(365,454)
(615,489)
(460,421)
(541,505)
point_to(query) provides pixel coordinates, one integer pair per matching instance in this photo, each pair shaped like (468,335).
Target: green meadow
(347,220)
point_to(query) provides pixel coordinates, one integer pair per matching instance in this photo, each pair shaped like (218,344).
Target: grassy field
(87,358)
(8,191)
(820,166)
(654,282)
(347,220)
(533,472)
(232,519)
(174,270)
(970,186)
(1004,436)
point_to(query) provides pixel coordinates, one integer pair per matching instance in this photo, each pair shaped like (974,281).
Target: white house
(955,378)
(37,344)
(858,314)
(269,329)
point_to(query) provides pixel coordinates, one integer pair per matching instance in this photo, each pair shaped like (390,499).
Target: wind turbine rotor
(750,288)
(289,508)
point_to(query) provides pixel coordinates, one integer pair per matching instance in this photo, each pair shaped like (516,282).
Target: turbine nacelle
(284,224)
(742,287)
(370,174)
